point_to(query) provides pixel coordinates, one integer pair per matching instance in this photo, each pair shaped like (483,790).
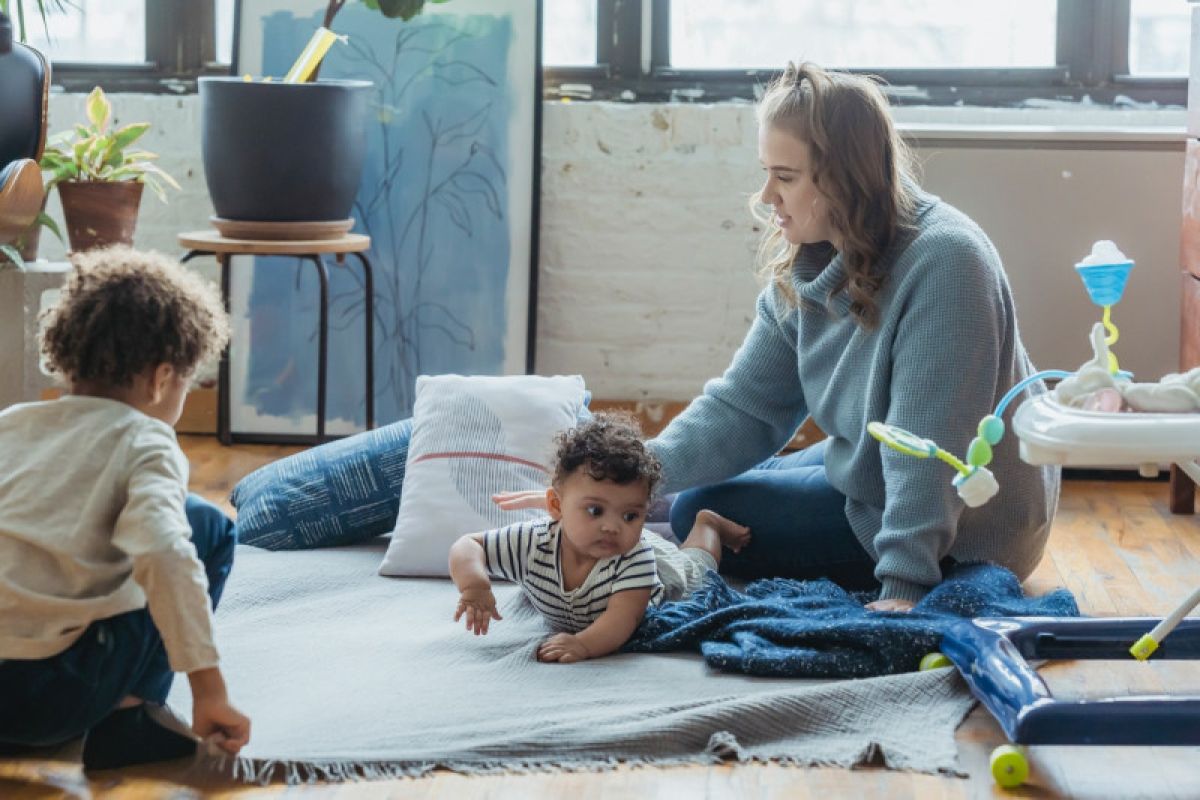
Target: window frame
(1092,61)
(633,63)
(175,55)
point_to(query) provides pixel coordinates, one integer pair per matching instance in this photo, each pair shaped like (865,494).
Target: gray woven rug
(346,675)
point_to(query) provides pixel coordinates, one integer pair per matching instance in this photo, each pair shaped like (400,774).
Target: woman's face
(801,212)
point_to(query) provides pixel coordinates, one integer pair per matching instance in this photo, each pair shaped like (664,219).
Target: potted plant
(99,178)
(278,152)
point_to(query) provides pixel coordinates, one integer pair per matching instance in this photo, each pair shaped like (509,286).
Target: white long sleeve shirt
(92,524)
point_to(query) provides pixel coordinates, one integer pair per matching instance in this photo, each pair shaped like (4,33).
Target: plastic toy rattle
(975,482)
(1104,272)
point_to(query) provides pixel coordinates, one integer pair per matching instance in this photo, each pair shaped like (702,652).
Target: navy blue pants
(798,525)
(52,700)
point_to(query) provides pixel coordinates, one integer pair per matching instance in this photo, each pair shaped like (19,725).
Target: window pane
(224,15)
(717,34)
(1159,33)
(107,31)
(569,33)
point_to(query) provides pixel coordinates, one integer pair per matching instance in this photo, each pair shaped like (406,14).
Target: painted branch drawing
(446,196)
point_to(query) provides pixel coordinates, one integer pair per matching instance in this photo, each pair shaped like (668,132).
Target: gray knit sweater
(945,350)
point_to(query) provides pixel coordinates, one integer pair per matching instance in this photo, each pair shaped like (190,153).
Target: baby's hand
(479,606)
(565,648)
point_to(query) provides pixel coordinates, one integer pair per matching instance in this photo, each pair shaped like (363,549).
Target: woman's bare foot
(732,535)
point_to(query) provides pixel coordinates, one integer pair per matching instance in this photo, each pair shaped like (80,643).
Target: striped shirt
(528,553)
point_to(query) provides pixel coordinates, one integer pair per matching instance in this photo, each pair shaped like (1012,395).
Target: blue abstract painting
(446,197)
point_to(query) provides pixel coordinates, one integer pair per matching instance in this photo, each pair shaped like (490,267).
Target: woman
(884,303)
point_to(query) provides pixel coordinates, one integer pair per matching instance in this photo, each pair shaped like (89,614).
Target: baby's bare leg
(711,532)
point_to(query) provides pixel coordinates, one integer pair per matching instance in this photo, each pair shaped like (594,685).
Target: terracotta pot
(100,213)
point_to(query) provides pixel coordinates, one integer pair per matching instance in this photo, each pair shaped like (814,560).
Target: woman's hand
(565,648)
(891,605)
(479,606)
(515,501)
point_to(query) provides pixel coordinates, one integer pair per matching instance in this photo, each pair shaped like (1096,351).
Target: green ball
(979,454)
(935,661)
(991,428)
(1009,766)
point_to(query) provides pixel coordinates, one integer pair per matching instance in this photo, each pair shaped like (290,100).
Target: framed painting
(449,197)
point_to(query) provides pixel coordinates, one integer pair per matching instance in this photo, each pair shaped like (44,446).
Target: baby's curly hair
(610,447)
(124,311)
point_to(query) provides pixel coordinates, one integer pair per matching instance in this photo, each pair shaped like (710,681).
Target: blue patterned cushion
(338,493)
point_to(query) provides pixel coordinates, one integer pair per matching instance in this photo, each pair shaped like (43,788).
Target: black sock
(137,735)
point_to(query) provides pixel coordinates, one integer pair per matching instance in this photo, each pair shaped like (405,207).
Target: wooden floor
(1114,545)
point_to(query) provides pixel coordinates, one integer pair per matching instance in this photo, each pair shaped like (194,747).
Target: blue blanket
(815,629)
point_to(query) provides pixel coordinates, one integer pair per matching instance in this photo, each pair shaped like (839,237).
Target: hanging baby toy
(1104,272)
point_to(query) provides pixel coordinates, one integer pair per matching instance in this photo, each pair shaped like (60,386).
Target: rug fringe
(722,748)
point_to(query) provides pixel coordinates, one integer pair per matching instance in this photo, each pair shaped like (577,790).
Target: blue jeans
(798,525)
(52,700)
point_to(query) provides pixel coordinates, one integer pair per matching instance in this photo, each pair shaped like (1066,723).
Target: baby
(590,568)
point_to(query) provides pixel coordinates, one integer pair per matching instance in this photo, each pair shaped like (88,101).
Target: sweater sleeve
(153,530)
(744,416)
(946,353)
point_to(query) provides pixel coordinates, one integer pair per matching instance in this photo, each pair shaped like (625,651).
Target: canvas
(448,196)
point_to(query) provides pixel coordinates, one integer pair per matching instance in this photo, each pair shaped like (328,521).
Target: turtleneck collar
(818,268)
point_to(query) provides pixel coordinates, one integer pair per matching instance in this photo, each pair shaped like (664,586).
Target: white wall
(646,281)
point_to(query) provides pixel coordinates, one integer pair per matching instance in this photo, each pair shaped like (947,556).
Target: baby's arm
(606,635)
(468,570)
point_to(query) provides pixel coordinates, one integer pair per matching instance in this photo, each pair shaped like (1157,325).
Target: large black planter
(283,152)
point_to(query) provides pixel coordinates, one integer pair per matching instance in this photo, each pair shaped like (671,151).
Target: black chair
(24,94)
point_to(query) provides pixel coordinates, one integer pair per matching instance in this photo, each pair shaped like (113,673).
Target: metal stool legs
(369,312)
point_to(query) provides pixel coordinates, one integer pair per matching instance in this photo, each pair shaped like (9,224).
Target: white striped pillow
(474,436)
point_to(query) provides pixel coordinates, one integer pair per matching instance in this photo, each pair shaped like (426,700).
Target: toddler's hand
(479,607)
(565,648)
(515,501)
(215,717)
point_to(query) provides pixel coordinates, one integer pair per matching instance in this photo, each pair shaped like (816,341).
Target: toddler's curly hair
(610,447)
(124,312)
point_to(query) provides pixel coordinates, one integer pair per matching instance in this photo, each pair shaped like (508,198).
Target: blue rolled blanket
(815,629)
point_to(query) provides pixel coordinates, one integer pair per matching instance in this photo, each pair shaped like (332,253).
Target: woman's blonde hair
(860,165)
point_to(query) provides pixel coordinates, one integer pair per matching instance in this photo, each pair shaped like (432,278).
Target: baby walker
(1079,423)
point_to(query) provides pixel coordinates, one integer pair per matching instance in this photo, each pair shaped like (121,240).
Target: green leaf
(154,169)
(10,252)
(139,156)
(127,135)
(47,221)
(99,110)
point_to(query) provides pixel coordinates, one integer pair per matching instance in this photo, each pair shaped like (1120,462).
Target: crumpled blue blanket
(815,629)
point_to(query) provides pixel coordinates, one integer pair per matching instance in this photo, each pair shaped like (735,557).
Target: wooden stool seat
(213,242)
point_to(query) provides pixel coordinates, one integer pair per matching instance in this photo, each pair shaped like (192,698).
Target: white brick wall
(645,284)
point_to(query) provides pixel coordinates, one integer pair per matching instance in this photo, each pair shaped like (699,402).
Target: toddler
(590,568)
(108,568)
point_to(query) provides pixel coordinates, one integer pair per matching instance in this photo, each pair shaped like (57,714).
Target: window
(928,51)
(224,23)
(937,51)
(1159,34)
(128,45)
(882,33)
(95,31)
(569,32)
